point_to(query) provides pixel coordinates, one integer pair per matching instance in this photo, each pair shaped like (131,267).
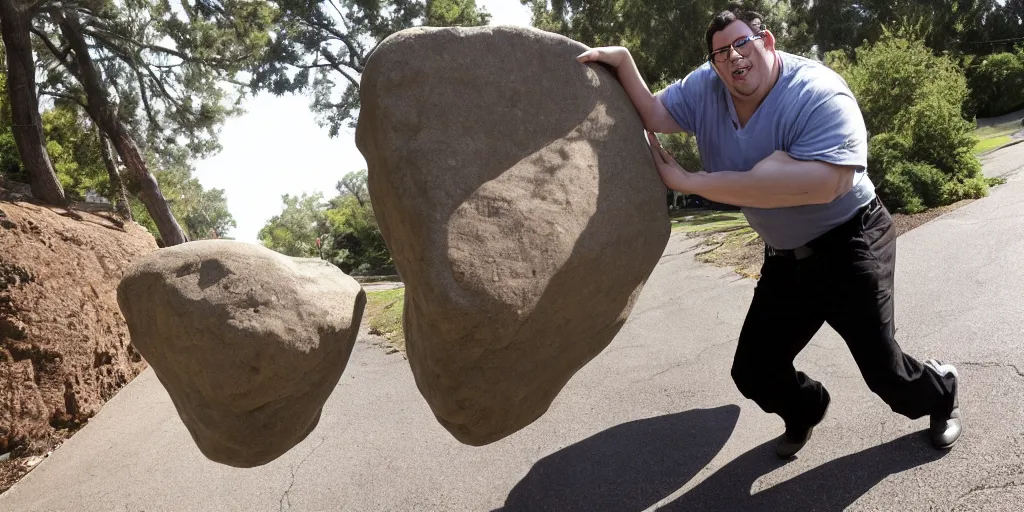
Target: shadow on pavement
(628,467)
(834,485)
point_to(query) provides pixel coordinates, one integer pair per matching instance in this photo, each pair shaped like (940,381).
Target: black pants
(845,278)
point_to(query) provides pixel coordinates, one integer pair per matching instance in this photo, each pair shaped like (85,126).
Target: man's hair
(726,17)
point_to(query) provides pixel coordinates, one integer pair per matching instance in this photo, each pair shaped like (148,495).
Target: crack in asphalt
(1015,368)
(989,487)
(284,497)
(691,360)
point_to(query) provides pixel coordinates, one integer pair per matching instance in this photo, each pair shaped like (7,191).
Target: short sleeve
(683,98)
(834,132)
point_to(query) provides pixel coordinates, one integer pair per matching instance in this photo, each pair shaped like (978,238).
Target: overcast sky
(277,148)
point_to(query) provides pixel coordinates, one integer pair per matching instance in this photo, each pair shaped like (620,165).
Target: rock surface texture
(516,192)
(248,343)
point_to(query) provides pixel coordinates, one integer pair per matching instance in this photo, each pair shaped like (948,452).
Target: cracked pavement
(654,421)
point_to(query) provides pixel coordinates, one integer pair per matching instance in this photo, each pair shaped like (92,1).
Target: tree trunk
(27,125)
(120,196)
(105,116)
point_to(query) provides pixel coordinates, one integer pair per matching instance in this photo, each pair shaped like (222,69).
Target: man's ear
(769,40)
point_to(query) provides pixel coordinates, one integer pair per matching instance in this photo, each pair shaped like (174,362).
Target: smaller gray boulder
(248,343)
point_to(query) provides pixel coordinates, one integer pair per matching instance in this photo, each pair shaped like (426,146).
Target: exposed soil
(745,254)
(64,346)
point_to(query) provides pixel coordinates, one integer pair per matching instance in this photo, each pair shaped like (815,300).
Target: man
(782,137)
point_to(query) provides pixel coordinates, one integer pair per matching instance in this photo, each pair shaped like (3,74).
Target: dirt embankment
(64,346)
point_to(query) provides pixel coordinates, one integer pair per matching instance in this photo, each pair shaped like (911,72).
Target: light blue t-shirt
(810,114)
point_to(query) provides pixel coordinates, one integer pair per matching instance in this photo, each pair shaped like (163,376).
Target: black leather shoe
(945,429)
(795,439)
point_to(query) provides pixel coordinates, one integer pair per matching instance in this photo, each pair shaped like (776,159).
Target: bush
(921,153)
(893,74)
(941,137)
(911,187)
(885,151)
(971,188)
(997,84)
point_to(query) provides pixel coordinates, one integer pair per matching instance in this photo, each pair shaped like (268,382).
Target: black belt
(807,250)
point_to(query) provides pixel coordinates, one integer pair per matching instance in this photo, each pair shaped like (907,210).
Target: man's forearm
(773,184)
(643,100)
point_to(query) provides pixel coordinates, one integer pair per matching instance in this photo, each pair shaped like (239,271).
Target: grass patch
(383,314)
(998,130)
(708,222)
(726,239)
(991,143)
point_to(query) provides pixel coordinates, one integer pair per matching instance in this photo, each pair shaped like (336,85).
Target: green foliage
(911,187)
(321,47)
(921,153)
(997,84)
(665,37)
(455,13)
(683,147)
(75,152)
(345,225)
(846,24)
(171,67)
(295,230)
(203,213)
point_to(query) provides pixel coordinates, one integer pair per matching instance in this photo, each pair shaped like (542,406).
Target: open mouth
(741,72)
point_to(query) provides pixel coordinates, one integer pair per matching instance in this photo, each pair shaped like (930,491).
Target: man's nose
(734,54)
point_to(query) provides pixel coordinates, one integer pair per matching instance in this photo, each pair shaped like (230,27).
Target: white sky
(277,148)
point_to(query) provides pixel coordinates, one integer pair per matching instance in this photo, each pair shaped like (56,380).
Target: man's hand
(614,56)
(672,174)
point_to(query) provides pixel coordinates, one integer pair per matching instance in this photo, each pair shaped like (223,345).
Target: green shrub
(996,84)
(921,154)
(911,187)
(972,188)
(885,151)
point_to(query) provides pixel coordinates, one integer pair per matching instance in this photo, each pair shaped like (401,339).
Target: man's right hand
(614,56)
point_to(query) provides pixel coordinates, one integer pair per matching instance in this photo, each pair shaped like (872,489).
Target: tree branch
(101,35)
(354,60)
(55,94)
(145,100)
(60,55)
(337,66)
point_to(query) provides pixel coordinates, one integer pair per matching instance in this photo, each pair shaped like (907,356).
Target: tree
(846,24)
(322,47)
(354,184)
(345,228)
(111,60)
(455,13)
(120,196)
(295,230)
(354,242)
(15,25)
(997,84)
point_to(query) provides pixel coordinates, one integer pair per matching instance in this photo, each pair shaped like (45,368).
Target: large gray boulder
(517,194)
(248,343)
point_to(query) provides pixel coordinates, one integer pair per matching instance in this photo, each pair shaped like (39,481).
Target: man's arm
(655,116)
(776,182)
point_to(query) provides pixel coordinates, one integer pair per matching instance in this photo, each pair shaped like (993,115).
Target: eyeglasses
(722,55)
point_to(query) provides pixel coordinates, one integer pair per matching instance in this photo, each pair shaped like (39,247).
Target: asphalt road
(653,421)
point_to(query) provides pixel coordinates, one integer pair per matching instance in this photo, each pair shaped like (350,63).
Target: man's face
(746,71)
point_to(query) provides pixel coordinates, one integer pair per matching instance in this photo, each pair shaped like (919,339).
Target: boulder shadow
(834,485)
(627,467)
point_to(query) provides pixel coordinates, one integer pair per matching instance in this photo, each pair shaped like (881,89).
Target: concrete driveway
(654,421)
